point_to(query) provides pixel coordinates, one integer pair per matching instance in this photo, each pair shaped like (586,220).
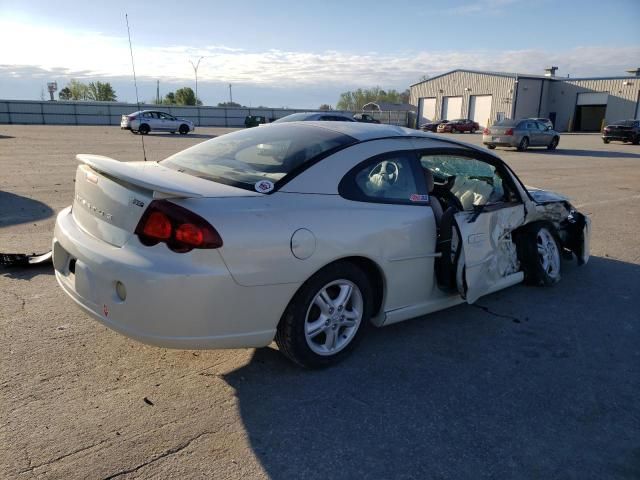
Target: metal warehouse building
(572,104)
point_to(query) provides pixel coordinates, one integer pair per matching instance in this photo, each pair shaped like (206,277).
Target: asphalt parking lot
(528,383)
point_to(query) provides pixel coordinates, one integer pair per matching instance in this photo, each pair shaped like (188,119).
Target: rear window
(506,123)
(247,157)
(626,123)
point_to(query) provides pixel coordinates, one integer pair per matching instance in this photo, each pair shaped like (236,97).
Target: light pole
(195,70)
(230,95)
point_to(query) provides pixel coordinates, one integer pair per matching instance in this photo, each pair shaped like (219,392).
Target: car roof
(366,131)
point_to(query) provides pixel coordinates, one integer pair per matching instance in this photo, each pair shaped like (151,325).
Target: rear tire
(144,129)
(554,143)
(524,144)
(491,147)
(473,130)
(605,140)
(319,328)
(636,140)
(184,129)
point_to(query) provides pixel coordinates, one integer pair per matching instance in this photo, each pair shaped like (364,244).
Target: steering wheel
(384,174)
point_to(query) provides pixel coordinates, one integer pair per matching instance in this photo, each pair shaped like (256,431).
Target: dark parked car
(254,120)
(432,126)
(459,125)
(315,117)
(365,118)
(624,131)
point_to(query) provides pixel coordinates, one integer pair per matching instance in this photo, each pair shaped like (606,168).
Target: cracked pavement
(528,383)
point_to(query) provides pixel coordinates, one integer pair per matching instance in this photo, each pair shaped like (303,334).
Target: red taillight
(190,234)
(486,131)
(509,131)
(181,229)
(157,226)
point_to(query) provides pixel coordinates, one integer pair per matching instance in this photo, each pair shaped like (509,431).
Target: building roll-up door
(427,109)
(480,109)
(451,108)
(590,112)
(593,98)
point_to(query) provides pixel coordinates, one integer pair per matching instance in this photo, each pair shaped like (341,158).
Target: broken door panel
(489,254)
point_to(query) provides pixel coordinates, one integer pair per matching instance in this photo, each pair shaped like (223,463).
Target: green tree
(101,92)
(185,96)
(230,104)
(64,94)
(169,99)
(356,99)
(79,91)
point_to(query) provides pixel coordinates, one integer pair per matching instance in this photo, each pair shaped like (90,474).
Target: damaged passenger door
(487,207)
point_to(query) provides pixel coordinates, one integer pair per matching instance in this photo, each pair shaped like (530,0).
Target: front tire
(540,256)
(636,140)
(184,129)
(554,143)
(327,316)
(491,147)
(524,144)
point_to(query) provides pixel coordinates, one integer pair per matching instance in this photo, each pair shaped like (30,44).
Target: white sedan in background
(146,121)
(304,232)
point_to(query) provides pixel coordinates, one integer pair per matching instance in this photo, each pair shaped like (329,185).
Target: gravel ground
(528,383)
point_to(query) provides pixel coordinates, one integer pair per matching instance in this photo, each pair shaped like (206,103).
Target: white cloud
(92,55)
(481,6)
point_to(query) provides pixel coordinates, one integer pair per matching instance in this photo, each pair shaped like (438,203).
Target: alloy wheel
(548,253)
(333,317)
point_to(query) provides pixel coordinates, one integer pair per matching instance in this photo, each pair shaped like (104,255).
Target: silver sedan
(520,134)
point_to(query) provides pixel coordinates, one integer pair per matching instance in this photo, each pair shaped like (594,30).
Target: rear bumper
(500,141)
(623,137)
(172,300)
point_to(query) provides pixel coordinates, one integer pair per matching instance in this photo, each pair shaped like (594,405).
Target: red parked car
(459,125)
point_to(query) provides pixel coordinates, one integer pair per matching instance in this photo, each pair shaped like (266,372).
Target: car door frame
(414,270)
(476,240)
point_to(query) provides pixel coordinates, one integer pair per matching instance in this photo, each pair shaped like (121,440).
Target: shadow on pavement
(532,383)
(177,135)
(587,153)
(16,209)
(26,272)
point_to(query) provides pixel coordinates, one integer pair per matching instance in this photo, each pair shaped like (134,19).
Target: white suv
(147,121)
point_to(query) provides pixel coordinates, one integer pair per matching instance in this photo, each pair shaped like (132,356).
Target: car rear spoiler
(148,178)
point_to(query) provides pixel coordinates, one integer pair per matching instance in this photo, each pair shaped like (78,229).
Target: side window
(473,182)
(388,178)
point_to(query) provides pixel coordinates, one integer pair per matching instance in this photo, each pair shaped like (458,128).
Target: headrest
(428,178)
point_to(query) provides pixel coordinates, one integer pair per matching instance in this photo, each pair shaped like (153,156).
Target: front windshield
(249,156)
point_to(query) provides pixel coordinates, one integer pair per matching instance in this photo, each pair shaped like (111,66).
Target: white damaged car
(307,233)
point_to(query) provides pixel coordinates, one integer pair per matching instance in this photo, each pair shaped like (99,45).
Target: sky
(300,54)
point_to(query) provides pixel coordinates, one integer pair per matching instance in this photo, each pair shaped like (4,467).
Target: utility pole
(230,94)
(157,92)
(195,69)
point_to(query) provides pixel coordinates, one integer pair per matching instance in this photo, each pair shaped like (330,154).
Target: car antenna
(135,82)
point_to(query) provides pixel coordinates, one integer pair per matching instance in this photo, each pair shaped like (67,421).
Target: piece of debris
(24,260)
(147,401)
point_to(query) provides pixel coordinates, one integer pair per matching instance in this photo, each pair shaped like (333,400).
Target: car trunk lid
(111,196)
